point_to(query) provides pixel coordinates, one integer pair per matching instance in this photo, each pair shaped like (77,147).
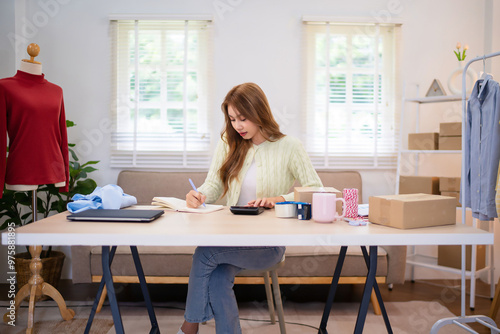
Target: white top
(249,185)
(30,68)
(222,228)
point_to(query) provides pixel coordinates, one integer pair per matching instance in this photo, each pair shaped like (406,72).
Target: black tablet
(247,210)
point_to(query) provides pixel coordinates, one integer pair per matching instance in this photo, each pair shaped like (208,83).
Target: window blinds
(161,93)
(350,85)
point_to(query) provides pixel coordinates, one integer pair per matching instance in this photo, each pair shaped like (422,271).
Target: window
(350,95)
(161,93)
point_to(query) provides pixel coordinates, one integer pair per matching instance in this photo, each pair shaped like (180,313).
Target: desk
(222,228)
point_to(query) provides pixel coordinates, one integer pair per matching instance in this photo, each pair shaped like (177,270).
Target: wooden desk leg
(36,287)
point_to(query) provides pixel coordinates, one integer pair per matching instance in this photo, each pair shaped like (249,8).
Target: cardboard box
(418,184)
(450,143)
(423,141)
(451,256)
(453,129)
(449,184)
(455,194)
(305,194)
(412,210)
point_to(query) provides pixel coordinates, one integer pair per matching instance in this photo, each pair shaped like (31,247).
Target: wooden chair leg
(277,300)
(269,295)
(376,305)
(102,299)
(495,305)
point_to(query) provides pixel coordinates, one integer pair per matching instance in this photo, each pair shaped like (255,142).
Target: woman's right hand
(194,199)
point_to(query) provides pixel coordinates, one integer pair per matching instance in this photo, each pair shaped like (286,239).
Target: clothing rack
(463,319)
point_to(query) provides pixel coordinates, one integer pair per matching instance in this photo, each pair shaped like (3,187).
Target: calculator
(246,210)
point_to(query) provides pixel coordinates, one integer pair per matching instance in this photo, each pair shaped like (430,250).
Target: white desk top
(222,228)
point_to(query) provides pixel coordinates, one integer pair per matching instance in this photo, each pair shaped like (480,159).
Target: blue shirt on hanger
(482,149)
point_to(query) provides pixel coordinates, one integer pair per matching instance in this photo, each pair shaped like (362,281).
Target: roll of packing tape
(286,209)
(303,210)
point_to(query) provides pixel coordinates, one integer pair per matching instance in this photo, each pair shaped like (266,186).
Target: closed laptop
(107,215)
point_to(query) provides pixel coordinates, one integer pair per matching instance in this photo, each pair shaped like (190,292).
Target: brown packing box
(450,129)
(449,184)
(418,184)
(423,141)
(451,256)
(305,194)
(455,194)
(450,143)
(412,210)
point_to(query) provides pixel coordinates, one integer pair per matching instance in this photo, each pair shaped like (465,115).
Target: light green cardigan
(278,163)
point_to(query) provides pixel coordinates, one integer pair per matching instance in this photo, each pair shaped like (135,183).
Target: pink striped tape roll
(351,202)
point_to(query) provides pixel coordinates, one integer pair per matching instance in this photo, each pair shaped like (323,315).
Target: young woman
(254,164)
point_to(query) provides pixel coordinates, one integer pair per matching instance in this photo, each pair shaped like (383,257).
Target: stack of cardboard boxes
(450,136)
(450,186)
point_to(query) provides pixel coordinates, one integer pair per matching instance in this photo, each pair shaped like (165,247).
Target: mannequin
(48,163)
(32,113)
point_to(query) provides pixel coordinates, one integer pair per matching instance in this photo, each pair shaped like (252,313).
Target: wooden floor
(447,292)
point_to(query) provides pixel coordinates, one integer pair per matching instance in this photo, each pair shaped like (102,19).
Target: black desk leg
(365,301)
(108,279)
(333,288)
(99,293)
(145,292)
(377,293)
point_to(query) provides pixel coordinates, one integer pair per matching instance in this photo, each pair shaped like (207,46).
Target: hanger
(484,74)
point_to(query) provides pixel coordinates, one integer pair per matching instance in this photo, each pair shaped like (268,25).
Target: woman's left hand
(267,202)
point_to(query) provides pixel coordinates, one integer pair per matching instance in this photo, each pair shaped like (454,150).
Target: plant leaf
(90,163)
(89,169)
(85,187)
(73,154)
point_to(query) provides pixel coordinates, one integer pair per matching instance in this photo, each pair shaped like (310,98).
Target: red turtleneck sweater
(32,115)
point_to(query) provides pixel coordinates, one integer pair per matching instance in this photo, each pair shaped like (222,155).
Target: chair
(275,290)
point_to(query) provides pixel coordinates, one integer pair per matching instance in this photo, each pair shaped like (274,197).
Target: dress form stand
(36,287)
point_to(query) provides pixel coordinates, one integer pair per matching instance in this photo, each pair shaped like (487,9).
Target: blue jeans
(210,291)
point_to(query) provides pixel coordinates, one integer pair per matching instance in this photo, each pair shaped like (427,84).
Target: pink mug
(324,207)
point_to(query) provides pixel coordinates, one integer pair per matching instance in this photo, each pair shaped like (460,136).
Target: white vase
(455,79)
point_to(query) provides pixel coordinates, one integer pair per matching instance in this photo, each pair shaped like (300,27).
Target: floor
(446,292)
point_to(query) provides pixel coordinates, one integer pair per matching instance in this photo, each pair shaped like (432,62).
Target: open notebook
(180,205)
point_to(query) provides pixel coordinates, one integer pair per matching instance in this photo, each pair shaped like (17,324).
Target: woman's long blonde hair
(251,102)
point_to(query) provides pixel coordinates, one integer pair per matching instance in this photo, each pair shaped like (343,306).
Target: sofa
(303,265)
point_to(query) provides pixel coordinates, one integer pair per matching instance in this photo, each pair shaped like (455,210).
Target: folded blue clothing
(110,196)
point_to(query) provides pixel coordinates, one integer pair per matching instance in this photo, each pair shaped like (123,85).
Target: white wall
(255,40)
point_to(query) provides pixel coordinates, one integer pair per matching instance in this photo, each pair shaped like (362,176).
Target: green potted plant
(17,208)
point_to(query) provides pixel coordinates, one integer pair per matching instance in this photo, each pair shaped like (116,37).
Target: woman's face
(244,127)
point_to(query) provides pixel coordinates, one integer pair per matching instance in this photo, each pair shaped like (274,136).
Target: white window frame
(170,149)
(320,137)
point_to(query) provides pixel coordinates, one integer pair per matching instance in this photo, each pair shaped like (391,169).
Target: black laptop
(107,215)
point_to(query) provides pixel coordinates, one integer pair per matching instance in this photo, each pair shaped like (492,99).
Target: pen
(194,187)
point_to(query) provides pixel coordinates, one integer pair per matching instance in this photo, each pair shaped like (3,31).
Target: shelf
(432,151)
(435,99)
(430,262)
